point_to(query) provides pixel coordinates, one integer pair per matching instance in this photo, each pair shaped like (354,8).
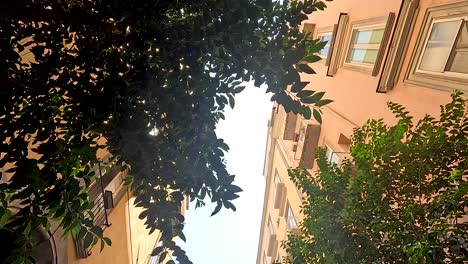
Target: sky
(232,237)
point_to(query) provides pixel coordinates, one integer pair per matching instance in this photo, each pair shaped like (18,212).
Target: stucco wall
(119,252)
(355,101)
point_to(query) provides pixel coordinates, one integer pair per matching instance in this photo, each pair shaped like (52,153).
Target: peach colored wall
(354,93)
(119,252)
(355,101)
(131,242)
(142,242)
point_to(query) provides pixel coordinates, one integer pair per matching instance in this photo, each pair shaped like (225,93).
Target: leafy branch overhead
(152,78)
(402,198)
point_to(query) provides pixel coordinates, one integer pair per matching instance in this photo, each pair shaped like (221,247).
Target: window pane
(459,58)
(363,55)
(327,38)
(369,36)
(439,45)
(277,178)
(291,219)
(270,227)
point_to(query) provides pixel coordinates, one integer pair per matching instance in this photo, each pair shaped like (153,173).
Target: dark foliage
(73,72)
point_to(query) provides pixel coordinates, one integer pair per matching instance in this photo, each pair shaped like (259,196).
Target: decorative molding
(398,45)
(383,43)
(338,41)
(332,44)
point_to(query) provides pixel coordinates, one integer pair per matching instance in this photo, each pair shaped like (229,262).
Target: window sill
(438,82)
(359,67)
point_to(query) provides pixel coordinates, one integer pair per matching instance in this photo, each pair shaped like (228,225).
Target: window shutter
(338,43)
(280,190)
(272,246)
(398,45)
(383,44)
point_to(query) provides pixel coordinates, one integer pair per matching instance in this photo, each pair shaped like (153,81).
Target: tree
(400,199)
(120,69)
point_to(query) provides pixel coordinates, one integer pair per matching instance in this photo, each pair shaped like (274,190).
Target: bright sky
(232,237)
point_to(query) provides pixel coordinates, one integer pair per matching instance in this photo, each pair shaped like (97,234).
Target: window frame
(446,81)
(288,215)
(277,178)
(383,22)
(309,28)
(271,228)
(453,41)
(326,31)
(265,258)
(333,153)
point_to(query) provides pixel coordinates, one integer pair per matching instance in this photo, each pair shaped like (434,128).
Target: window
(332,157)
(309,28)
(367,43)
(440,58)
(278,259)
(291,220)
(446,49)
(277,178)
(325,37)
(271,231)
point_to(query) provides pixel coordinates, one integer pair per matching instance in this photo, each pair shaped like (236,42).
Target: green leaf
(27,230)
(217,208)
(239,89)
(4,218)
(157,251)
(88,240)
(323,102)
(297,87)
(312,58)
(313,99)
(108,241)
(305,68)
(162,257)
(231,101)
(181,236)
(306,112)
(306,93)
(320,5)
(317,116)
(97,230)
(317,47)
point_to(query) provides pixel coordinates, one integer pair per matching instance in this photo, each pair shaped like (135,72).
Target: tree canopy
(120,70)
(402,198)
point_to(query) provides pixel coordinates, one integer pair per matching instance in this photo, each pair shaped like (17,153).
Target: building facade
(411,52)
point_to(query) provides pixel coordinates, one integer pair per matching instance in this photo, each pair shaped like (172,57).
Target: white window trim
(438,81)
(445,73)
